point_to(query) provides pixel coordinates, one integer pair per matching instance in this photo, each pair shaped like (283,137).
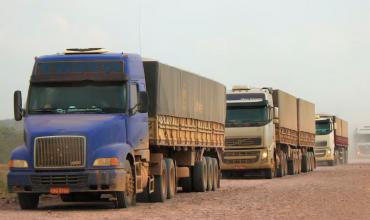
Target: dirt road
(328,193)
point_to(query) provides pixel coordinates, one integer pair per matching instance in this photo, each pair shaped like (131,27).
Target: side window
(134,91)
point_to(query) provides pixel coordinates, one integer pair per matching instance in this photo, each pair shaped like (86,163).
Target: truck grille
(60,152)
(243,141)
(59,180)
(320,152)
(321,143)
(241,154)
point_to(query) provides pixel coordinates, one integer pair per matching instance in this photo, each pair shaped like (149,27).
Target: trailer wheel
(210,172)
(346,156)
(285,164)
(305,162)
(216,175)
(200,176)
(128,197)
(336,157)
(28,200)
(160,185)
(291,167)
(171,178)
(186,184)
(313,161)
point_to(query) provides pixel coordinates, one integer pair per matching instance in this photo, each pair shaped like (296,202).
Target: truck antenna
(140,46)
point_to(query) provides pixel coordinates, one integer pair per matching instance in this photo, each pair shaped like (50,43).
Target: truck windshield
(323,127)
(243,116)
(77,98)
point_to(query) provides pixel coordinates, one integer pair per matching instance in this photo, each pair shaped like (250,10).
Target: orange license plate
(60,190)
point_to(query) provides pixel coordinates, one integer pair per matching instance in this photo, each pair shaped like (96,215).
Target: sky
(315,49)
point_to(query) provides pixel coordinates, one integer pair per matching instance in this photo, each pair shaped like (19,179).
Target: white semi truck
(268,132)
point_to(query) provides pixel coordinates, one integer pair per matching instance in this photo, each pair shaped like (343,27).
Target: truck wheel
(346,157)
(160,185)
(291,167)
(336,157)
(305,162)
(313,161)
(269,173)
(28,200)
(216,175)
(331,163)
(280,170)
(343,160)
(128,197)
(186,184)
(285,164)
(171,178)
(200,176)
(210,172)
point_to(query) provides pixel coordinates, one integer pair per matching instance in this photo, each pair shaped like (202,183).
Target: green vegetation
(11,136)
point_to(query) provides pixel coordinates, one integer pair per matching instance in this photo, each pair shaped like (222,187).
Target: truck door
(137,124)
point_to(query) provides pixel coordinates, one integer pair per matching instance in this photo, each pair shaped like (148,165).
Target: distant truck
(331,140)
(362,141)
(109,125)
(268,132)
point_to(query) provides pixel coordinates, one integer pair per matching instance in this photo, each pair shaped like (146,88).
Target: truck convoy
(268,132)
(110,125)
(362,141)
(331,140)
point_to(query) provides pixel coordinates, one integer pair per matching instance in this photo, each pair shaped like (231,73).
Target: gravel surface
(328,193)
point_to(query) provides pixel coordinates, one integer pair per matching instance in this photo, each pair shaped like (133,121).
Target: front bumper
(108,180)
(321,155)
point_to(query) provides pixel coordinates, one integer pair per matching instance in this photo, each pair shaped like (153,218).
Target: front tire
(128,197)
(28,201)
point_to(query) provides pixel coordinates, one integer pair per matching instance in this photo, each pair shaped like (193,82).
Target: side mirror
(18,105)
(143,106)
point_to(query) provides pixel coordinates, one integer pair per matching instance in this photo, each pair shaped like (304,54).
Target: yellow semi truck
(268,132)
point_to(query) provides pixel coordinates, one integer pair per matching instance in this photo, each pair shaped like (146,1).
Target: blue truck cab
(85,115)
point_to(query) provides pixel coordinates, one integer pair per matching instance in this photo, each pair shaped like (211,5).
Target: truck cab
(324,141)
(331,142)
(85,119)
(249,132)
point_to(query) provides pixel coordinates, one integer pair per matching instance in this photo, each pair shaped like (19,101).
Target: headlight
(107,162)
(17,164)
(328,151)
(264,155)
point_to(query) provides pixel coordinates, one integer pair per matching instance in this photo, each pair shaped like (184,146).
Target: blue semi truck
(102,125)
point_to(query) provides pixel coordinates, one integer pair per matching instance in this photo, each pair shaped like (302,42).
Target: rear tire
(216,175)
(128,197)
(280,170)
(171,178)
(305,163)
(291,167)
(200,176)
(210,172)
(28,201)
(160,185)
